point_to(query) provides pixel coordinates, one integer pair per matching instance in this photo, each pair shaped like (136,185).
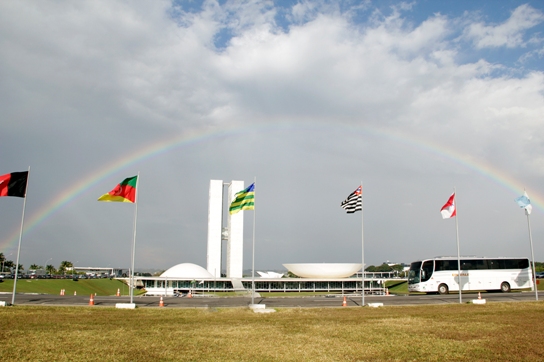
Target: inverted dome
(324,270)
(187,271)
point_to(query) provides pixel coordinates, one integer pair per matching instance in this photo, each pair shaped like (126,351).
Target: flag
(354,202)
(243,200)
(525,203)
(449,210)
(13,184)
(124,192)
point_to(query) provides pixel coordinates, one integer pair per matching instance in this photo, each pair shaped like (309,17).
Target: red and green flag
(13,184)
(124,192)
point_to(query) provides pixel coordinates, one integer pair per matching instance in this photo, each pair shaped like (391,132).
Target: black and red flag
(13,184)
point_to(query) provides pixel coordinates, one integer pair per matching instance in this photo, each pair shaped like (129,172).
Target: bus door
(427,269)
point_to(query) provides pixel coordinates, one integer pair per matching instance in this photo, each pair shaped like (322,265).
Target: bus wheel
(443,289)
(505,287)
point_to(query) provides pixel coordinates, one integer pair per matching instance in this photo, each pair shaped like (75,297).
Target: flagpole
(20,239)
(253,257)
(458,252)
(131,288)
(362,252)
(532,254)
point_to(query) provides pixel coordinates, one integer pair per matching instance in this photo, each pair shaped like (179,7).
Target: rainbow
(188,138)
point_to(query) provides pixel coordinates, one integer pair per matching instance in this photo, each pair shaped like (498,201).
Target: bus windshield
(414,273)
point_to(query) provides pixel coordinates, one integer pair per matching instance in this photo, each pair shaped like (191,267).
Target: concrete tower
(234,232)
(235,244)
(215,216)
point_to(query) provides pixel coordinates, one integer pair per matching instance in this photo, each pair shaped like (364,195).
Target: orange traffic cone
(91,301)
(386,291)
(161,303)
(118,292)
(479,295)
(344,303)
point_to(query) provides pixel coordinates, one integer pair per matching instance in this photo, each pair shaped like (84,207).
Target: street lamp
(45,264)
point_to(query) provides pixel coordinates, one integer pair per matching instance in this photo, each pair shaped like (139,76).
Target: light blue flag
(525,203)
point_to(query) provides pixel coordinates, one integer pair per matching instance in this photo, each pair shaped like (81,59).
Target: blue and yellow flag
(243,200)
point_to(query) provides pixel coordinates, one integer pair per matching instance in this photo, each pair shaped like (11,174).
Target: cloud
(510,33)
(309,98)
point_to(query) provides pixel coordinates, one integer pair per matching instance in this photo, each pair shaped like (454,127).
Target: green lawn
(53,286)
(463,332)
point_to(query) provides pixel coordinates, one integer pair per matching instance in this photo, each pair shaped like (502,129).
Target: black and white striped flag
(354,202)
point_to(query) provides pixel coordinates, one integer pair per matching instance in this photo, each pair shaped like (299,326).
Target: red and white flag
(449,210)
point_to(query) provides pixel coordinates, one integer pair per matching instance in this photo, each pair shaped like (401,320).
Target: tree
(50,269)
(34,266)
(64,265)
(290,275)
(379,269)
(8,264)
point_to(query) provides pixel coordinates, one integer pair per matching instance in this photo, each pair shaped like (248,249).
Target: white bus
(440,275)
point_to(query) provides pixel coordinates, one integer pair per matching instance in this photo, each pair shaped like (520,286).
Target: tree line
(9,266)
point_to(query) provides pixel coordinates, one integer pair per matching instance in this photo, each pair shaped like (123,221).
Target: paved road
(271,302)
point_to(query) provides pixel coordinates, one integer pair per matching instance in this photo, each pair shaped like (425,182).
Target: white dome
(324,270)
(187,271)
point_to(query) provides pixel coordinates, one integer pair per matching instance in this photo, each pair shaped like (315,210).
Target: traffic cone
(161,302)
(118,292)
(479,296)
(91,301)
(386,291)
(344,303)
(189,295)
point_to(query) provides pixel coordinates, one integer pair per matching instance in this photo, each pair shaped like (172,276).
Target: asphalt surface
(269,302)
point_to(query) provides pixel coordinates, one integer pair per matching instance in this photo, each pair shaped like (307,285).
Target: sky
(414,99)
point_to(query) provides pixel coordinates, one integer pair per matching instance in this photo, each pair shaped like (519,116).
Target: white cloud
(510,33)
(325,101)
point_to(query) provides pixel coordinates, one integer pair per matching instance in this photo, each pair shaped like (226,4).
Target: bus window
(427,270)
(493,264)
(441,265)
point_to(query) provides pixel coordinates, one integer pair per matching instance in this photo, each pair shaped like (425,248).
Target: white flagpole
(131,288)
(458,253)
(253,257)
(362,251)
(532,253)
(20,239)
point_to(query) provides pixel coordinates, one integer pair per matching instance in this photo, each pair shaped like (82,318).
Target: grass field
(465,332)
(53,286)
